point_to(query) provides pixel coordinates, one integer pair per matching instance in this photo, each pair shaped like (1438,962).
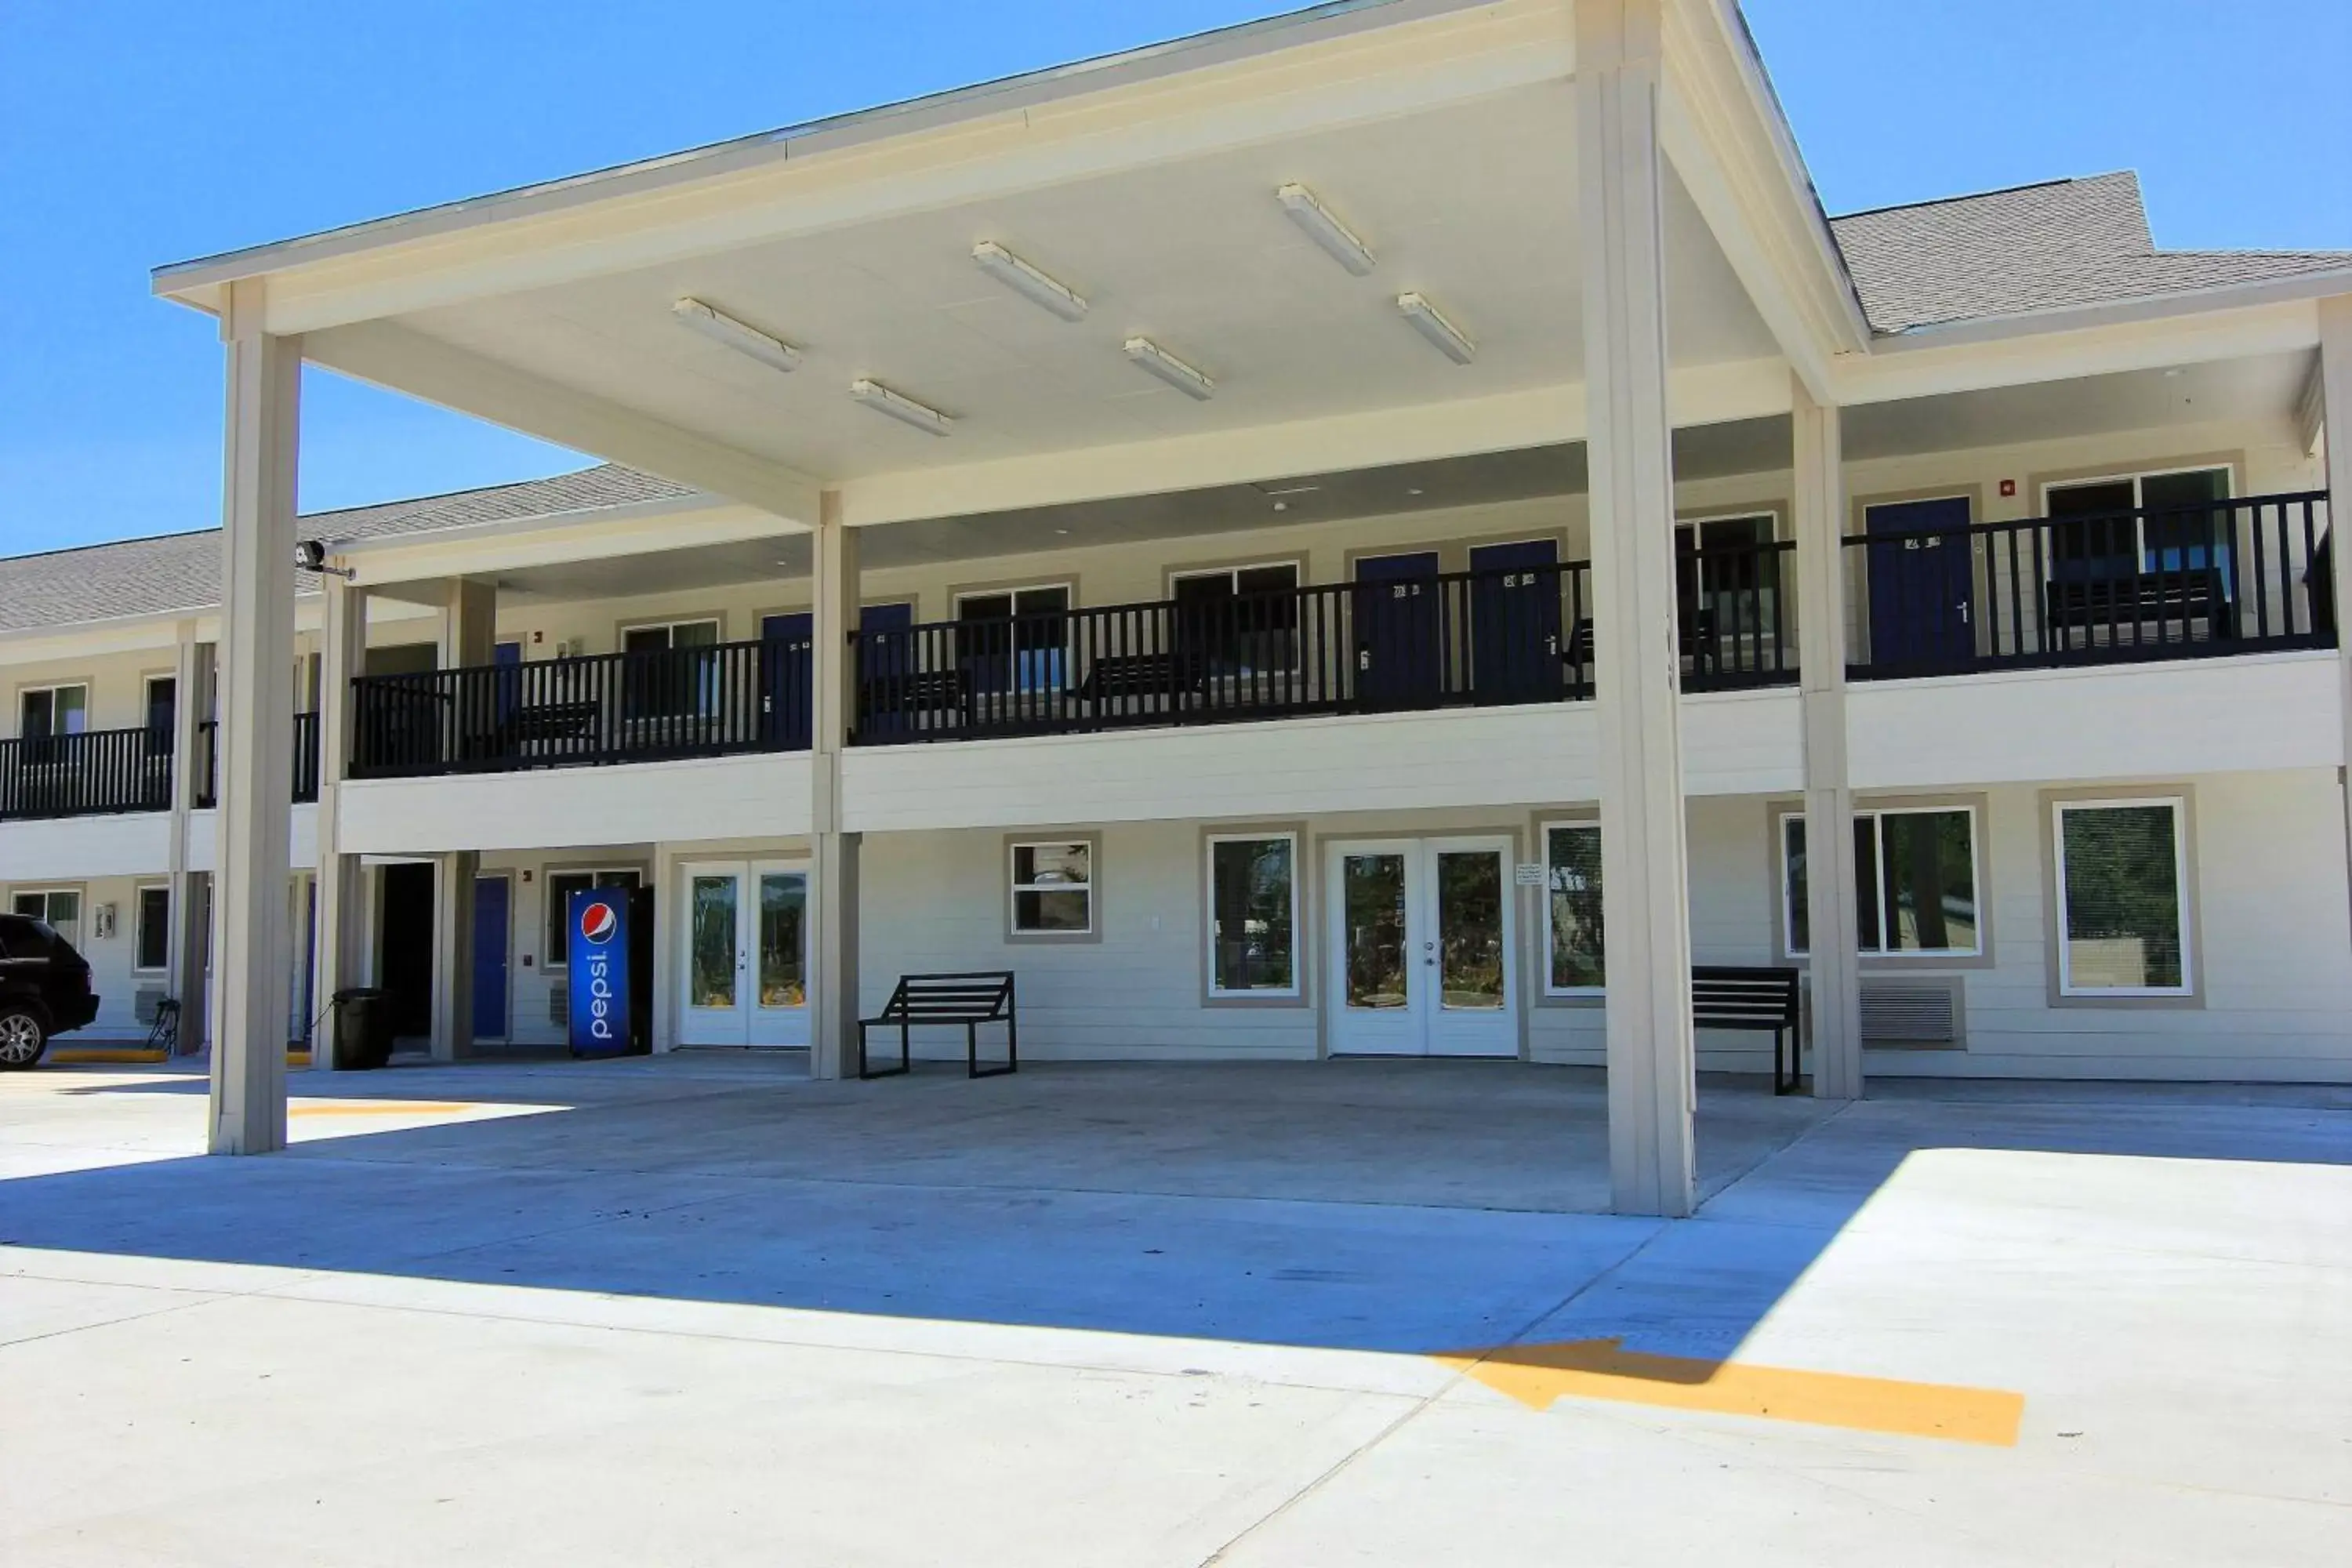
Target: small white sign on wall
(1530,875)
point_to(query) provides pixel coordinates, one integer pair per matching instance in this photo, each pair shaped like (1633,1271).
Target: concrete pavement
(700,1311)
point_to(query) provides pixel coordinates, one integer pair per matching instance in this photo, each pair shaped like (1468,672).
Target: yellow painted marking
(1535,1375)
(383,1108)
(94,1056)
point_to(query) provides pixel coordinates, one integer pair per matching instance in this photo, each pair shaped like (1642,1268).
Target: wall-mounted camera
(310,555)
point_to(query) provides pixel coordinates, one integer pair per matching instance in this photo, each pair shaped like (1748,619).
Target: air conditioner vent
(144,1001)
(559,1002)
(1911,1013)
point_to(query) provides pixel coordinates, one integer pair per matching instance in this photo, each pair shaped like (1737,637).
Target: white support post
(255,743)
(453,953)
(1832,917)
(834,999)
(187,781)
(2336,417)
(338,961)
(1645,887)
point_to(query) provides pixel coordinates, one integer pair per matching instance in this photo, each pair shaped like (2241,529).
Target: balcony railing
(306,761)
(1452,639)
(86,775)
(2155,582)
(573,712)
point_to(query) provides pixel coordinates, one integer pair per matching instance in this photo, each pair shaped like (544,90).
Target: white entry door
(743,959)
(1422,948)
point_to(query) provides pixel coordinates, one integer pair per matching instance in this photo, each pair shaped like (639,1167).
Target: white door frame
(1426,1025)
(747,1023)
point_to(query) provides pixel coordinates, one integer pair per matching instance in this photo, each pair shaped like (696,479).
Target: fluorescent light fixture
(900,406)
(721,328)
(1150,356)
(1346,247)
(1430,323)
(1029,283)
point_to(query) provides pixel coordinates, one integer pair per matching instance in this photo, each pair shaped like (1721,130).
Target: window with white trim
(2122,874)
(1053,887)
(1253,914)
(2161,520)
(43,711)
(57,908)
(152,936)
(1574,962)
(1238,618)
(1915,883)
(559,887)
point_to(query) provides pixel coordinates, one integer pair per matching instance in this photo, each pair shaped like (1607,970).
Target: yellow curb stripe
(1535,1375)
(98,1055)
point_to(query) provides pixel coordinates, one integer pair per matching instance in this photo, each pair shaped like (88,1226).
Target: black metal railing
(573,713)
(1450,639)
(86,775)
(306,761)
(2218,578)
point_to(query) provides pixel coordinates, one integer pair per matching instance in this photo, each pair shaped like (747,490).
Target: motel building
(1396,530)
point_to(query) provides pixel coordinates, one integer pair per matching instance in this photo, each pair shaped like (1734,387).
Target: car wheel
(22,1038)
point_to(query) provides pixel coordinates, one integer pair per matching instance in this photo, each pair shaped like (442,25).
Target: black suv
(43,989)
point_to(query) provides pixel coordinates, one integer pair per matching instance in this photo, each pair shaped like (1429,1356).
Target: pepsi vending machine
(607,1010)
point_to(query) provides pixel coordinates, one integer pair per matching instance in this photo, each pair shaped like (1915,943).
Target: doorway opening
(403,962)
(1422,947)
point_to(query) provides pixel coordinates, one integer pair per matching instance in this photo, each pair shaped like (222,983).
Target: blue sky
(134,134)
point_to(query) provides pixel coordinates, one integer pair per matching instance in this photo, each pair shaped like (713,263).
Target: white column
(1645,883)
(2335,396)
(832,1001)
(1831,914)
(339,959)
(255,744)
(187,779)
(453,953)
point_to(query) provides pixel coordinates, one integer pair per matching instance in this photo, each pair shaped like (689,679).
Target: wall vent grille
(559,1003)
(1910,1013)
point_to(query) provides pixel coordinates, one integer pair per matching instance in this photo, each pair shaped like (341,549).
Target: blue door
(787,679)
(1515,622)
(1922,585)
(490,903)
(1400,631)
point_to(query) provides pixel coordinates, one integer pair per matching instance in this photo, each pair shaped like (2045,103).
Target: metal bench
(2125,608)
(1142,677)
(915,700)
(1728,997)
(969,999)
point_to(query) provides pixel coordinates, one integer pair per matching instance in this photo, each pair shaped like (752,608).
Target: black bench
(970,999)
(901,701)
(1123,677)
(568,724)
(2132,608)
(1729,996)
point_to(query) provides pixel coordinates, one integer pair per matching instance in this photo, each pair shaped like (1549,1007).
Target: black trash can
(362,1028)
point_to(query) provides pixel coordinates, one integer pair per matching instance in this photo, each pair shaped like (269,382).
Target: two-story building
(1382,531)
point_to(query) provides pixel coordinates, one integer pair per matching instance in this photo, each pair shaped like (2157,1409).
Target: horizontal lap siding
(762,796)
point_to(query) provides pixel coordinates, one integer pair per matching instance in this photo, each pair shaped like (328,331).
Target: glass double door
(744,963)
(1422,948)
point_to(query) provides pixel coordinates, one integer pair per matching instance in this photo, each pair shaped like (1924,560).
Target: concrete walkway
(698,1310)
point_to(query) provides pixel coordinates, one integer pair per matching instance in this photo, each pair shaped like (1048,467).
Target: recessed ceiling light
(1413,490)
(1030,282)
(1282,506)
(1430,323)
(1149,357)
(1063,532)
(900,406)
(721,328)
(1326,230)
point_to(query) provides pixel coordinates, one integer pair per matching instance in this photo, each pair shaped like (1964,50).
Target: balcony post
(1832,918)
(453,953)
(1644,881)
(2336,399)
(832,992)
(255,741)
(338,961)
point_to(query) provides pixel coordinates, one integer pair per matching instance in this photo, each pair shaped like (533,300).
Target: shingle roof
(178,572)
(2036,248)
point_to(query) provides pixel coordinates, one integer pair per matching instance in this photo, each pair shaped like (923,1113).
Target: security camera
(310,555)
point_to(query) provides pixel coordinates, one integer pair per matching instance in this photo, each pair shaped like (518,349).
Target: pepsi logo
(597,923)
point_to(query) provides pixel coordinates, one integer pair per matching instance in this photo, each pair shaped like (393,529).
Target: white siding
(763,795)
(66,849)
